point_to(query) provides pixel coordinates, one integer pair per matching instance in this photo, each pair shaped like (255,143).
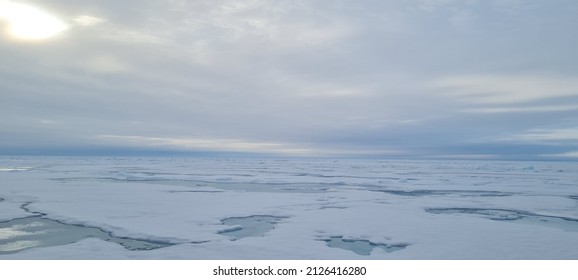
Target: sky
(472,79)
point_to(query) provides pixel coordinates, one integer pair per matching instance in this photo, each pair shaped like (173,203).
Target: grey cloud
(323,76)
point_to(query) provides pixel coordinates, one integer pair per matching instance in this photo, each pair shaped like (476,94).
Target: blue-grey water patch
(199,191)
(332,207)
(467,193)
(35,231)
(517,216)
(361,246)
(251,226)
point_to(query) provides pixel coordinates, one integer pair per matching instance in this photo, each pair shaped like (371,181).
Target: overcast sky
(400,78)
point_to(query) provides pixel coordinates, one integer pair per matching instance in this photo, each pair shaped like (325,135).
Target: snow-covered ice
(247,208)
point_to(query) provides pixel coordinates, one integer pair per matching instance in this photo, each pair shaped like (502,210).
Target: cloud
(568,154)
(239,146)
(87,20)
(104,64)
(511,94)
(291,77)
(512,7)
(204,144)
(507,89)
(522,109)
(432,5)
(548,135)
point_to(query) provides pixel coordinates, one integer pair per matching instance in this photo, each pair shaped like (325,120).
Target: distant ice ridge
(243,208)
(279,171)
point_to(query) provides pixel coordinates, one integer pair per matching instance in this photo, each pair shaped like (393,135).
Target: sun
(29,23)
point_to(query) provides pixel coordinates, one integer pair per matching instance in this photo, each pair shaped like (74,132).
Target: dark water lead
(516,216)
(466,193)
(251,226)
(31,232)
(361,246)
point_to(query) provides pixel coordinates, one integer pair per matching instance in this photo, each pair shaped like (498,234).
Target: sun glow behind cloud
(87,20)
(29,23)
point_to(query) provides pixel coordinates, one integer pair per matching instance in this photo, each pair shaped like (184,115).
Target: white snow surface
(184,200)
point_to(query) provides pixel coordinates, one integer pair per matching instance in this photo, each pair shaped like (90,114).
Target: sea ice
(248,208)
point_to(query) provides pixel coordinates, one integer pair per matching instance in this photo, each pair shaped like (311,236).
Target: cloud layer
(419,78)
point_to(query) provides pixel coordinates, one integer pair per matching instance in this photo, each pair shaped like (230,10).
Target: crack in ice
(517,216)
(38,231)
